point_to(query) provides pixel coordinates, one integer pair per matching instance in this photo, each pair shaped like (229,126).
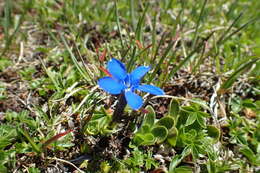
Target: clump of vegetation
(129,86)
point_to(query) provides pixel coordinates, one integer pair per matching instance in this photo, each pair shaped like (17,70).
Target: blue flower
(123,82)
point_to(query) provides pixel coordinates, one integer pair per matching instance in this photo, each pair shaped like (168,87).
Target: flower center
(127,81)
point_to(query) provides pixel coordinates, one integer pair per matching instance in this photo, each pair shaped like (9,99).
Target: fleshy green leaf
(144,139)
(172,136)
(167,122)
(160,132)
(145,129)
(213,132)
(150,116)
(174,108)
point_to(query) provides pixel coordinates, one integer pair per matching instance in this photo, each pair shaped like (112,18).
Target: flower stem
(119,111)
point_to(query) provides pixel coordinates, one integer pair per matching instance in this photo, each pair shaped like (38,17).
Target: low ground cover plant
(129,86)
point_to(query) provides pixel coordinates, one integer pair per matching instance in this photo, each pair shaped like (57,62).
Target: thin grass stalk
(138,30)
(239,29)
(154,33)
(118,24)
(228,83)
(190,55)
(9,38)
(170,45)
(229,28)
(164,36)
(79,68)
(195,38)
(85,66)
(132,60)
(132,14)
(200,60)
(7,19)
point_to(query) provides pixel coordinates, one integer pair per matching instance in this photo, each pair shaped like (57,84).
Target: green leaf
(174,108)
(245,150)
(203,114)
(183,169)
(7,135)
(138,140)
(145,129)
(35,147)
(140,23)
(201,120)
(191,119)
(189,108)
(160,133)
(249,104)
(149,117)
(167,122)
(172,136)
(149,139)
(213,132)
(182,118)
(3,168)
(98,123)
(34,170)
(4,63)
(195,152)
(105,167)
(144,139)
(176,160)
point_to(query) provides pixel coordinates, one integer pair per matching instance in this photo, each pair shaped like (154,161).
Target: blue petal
(117,69)
(133,100)
(151,89)
(138,73)
(110,85)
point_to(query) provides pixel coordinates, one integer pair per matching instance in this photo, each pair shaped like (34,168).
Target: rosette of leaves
(194,118)
(153,130)
(193,132)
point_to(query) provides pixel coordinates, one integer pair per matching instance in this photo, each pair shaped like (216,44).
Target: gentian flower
(127,83)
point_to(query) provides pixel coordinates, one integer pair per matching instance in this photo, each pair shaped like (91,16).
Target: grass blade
(229,28)
(161,60)
(118,25)
(51,76)
(195,38)
(239,29)
(35,147)
(74,59)
(7,19)
(138,30)
(164,36)
(132,14)
(228,83)
(183,62)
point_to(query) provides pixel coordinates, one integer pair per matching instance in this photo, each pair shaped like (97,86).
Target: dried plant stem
(65,161)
